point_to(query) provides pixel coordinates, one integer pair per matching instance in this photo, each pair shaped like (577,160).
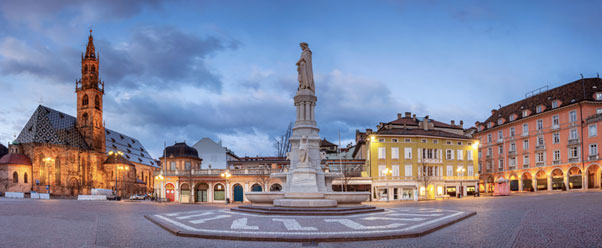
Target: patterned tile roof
(50,126)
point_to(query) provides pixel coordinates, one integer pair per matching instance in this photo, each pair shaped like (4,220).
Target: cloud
(256,141)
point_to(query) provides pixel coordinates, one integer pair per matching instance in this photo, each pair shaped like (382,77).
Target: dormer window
(512,117)
(500,121)
(489,125)
(555,104)
(525,113)
(598,95)
(539,109)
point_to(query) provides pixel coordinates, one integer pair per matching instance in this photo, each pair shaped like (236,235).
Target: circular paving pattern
(226,224)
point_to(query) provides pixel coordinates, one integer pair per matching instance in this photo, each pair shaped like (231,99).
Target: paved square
(226,224)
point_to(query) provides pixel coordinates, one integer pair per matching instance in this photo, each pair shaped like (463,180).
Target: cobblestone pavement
(566,219)
(225,224)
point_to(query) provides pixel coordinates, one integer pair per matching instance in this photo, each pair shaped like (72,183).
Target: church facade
(73,155)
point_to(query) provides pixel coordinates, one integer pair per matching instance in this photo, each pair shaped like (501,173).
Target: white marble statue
(305,70)
(304,150)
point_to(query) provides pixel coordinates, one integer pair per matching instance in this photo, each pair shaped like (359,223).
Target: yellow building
(414,155)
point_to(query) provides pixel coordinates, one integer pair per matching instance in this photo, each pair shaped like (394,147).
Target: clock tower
(90,91)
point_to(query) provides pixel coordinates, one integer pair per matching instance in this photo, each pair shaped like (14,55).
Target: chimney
(453,123)
(398,115)
(461,123)
(408,114)
(425,123)
(414,117)
(493,111)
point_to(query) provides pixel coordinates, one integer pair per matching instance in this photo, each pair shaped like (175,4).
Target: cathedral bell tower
(90,90)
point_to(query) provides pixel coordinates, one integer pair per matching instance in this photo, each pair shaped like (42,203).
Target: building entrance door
(238,194)
(170,192)
(201,192)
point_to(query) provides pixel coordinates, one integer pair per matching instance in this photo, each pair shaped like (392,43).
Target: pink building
(548,141)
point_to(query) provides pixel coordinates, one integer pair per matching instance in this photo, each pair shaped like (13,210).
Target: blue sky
(184,70)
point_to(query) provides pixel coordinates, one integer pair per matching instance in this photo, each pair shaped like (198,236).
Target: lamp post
(385,172)
(48,160)
(226,175)
(461,171)
(159,178)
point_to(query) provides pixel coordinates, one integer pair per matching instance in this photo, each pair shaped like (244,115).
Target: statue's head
(303,45)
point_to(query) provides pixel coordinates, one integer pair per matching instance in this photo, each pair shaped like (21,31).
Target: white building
(214,155)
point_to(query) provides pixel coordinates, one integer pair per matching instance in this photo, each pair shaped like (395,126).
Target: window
(187,165)
(555,104)
(424,141)
(25,177)
(501,164)
(172,165)
(435,141)
(525,144)
(573,116)
(97,102)
(448,142)
(556,138)
(15,177)
(381,169)
(489,151)
(540,141)
(500,135)
(512,133)
(556,155)
(394,140)
(381,153)
(511,117)
(469,155)
(555,121)
(525,128)
(539,124)
(381,140)
(489,125)
(408,171)
(408,153)
(449,154)
(539,109)
(598,95)
(500,149)
(525,113)
(396,170)
(500,121)
(539,157)
(395,152)
(488,138)
(573,152)
(593,150)
(593,130)
(470,171)
(512,162)
(460,143)
(450,170)
(460,155)
(430,153)
(574,135)
(408,140)
(599,111)
(512,147)
(85,100)
(526,159)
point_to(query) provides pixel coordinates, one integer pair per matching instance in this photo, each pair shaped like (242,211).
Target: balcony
(525,166)
(573,160)
(461,178)
(525,134)
(500,169)
(217,172)
(539,164)
(512,167)
(556,162)
(593,157)
(430,160)
(500,140)
(573,142)
(512,153)
(555,127)
(540,147)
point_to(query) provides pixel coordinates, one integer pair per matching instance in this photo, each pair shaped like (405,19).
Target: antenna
(581,75)
(597,75)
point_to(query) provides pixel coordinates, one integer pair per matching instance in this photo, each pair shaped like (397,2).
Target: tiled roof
(116,158)
(15,158)
(3,150)
(50,126)
(409,121)
(325,142)
(181,150)
(574,92)
(422,132)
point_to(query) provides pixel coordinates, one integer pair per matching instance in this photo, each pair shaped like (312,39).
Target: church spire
(90,51)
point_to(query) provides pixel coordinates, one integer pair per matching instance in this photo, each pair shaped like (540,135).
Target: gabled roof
(422,132)
(571,93)
(325,142)
(411,121)
(49,126)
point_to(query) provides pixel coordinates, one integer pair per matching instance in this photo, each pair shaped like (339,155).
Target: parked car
(113,197)
(137,197)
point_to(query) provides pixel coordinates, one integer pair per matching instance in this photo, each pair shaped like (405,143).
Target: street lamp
(48,160)
(226,175)
(159,178)
(385,172)
(461,171)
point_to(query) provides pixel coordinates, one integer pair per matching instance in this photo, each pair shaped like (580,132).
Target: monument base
(305,203)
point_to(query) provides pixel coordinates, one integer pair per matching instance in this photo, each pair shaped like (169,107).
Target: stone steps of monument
(270,210)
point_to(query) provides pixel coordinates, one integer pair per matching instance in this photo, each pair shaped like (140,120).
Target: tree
(282,143)
(262,175)
(425,175)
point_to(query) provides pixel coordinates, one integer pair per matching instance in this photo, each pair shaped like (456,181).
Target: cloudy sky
(184,70)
